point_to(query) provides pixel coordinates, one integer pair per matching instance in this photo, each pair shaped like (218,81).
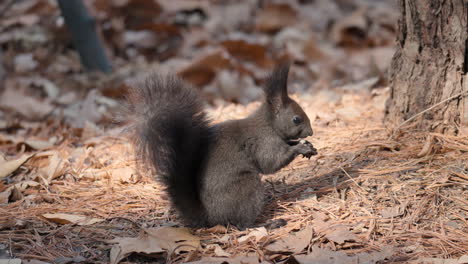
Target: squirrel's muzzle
(307,132)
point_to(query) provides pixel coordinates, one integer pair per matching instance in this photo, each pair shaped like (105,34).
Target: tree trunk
(82,27)
(429,68)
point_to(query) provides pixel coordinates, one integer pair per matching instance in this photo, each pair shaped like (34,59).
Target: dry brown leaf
(123,175)
(5,196)
(56,167)
(427,147)
(16,190)
(462,260)
(319,216)
(38,144)
(25,62)
(258,233)
(244,50)
(340,234)
(320,226)
(219,252)
(293,242)
(8,167)
(71,219)
(154,240)
(204,70)
(326,256)
(275,16)
(217,229)
(394,211)
(351,30)
(27,106)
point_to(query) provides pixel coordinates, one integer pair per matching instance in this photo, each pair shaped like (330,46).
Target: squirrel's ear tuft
(276,87)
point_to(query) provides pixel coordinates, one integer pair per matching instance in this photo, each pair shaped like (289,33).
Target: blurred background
(223,48)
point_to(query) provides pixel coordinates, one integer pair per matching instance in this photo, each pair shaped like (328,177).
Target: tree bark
(430,65)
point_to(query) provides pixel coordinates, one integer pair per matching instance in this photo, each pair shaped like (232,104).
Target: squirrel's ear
(276,87)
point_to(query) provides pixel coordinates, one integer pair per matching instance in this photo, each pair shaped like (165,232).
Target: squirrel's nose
(308,132)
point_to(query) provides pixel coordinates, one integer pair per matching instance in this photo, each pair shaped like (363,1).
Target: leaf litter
(154,240)
(71,191)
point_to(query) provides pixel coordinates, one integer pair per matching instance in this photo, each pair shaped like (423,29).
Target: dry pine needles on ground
(366,197)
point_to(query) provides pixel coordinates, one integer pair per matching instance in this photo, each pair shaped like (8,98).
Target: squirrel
(212,172)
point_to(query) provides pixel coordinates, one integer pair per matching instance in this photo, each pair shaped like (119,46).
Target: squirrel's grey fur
(212,172)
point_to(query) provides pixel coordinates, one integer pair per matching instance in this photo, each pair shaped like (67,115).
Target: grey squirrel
(212,172)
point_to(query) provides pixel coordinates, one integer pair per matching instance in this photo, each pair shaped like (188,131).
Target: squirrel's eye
(297,120)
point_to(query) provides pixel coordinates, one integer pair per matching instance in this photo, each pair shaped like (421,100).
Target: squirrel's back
(173,135)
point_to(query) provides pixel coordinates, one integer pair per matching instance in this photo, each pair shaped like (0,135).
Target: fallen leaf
(463,259)
(87,110)
(427,147)
(140,39)
(25,62)
(340,234)
(352,30)
(24,20)
(246,51)
(443,261)
(320,226)
(258,233)
(217,229)
(123,175)
(320,216)
(219,252)
(71,219)
(275,16)
(8,167)
(38,144)
(154,240)
(15,195)
(394,211)
(326,256)
(90,131)
(56,166)
(16,189)
(27,106)
(5,196)
(204,69)
(293,242)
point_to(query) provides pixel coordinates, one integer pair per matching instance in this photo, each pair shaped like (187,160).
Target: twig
(429,109)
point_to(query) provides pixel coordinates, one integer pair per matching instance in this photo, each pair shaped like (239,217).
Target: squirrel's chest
(232,154)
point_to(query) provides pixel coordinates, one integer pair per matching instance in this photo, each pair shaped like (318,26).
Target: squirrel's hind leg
(237,204)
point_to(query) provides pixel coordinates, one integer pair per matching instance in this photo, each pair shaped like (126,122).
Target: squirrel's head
(287,117)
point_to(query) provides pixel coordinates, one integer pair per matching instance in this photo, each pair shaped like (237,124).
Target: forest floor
(70,190)
(371,194)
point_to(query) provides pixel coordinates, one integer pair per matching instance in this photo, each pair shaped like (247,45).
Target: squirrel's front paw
(306,149)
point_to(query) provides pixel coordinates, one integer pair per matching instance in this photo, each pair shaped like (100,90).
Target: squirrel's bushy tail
(173,136)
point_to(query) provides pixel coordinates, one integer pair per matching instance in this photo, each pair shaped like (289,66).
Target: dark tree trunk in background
(82,27)
(430,65)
